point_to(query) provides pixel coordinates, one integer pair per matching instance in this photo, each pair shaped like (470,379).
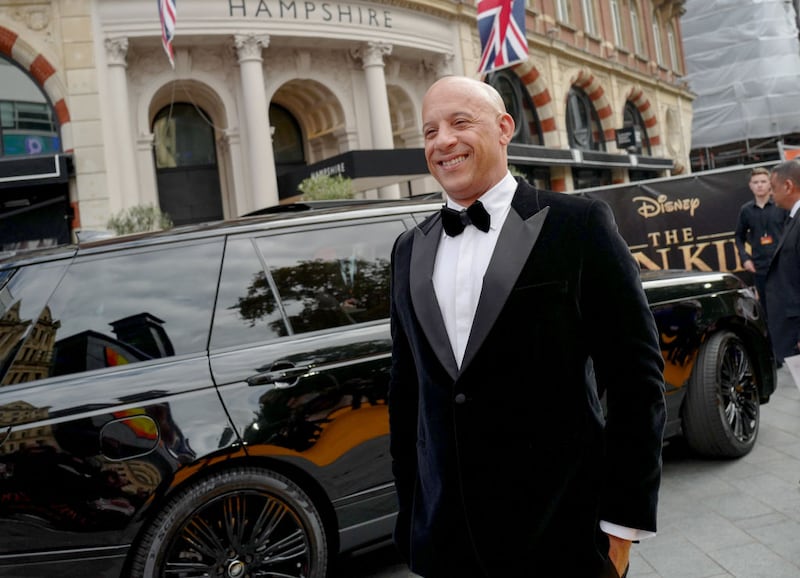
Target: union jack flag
(166,12)
(501,25)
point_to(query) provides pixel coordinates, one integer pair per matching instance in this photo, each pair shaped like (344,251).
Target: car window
(332,277)
(247,311)
(24,317)
(123,308)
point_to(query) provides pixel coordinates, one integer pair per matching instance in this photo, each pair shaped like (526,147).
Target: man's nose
(445,137)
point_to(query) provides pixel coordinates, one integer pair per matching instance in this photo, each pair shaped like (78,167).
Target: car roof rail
(332,203)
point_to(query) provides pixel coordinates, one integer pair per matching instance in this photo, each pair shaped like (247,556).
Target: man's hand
(619,551)
(750,266)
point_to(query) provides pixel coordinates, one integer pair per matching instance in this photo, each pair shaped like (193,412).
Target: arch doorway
(187,174)
(34,205)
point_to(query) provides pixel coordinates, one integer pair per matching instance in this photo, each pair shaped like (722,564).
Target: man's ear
(506,128)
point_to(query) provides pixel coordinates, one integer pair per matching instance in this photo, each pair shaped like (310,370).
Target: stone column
(146,166)
(123,162)
(371,55)
(260,157)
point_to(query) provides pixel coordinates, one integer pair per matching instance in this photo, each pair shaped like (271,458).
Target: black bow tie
(454,221)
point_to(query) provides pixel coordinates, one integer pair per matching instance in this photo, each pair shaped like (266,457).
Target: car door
(300,350)
(106,395)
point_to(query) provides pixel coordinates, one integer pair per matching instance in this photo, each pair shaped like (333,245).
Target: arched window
(589,22)
(28,125)
(583,124)
(675,62)
(186,164)
(616,23)
(636,28)
(563,10)
(183,137)
(632,117)
(287,139)
(528,129)
(657,39)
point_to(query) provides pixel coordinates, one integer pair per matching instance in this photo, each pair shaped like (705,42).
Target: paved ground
(736,518)
(717,519)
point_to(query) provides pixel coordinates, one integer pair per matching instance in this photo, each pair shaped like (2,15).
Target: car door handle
(280,377)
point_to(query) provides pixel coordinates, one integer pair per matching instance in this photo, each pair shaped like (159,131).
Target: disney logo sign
(653,207)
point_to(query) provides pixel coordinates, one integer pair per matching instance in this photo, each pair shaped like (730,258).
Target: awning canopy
(370,169)
(22,171)
(542,156)
(367,169)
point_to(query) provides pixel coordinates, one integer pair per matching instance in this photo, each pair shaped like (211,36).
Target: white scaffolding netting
(743,63)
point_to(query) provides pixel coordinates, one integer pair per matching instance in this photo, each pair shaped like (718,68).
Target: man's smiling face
(466,132)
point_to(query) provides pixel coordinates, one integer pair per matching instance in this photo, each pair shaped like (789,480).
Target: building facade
(265,93)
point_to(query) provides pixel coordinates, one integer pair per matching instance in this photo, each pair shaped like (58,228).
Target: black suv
(211,400)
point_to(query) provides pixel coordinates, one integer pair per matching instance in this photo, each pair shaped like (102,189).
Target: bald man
(513,310)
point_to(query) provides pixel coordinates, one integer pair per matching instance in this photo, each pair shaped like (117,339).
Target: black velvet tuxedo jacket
(504,467)
(783,292)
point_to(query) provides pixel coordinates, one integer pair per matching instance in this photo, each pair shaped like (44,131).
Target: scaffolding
(743,63)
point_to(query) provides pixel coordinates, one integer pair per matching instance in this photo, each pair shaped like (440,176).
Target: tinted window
(332,277)
(247,311)
(326,278)
(123,308)
(24,316)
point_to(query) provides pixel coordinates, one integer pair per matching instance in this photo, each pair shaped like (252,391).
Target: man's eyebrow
(451,116)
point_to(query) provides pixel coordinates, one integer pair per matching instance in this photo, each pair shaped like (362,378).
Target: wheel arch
(210,466)
(757,343)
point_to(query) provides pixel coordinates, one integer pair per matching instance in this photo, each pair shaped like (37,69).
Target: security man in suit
(513,310)
(783,275)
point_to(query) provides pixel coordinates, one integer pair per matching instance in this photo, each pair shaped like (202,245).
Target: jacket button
(461,398)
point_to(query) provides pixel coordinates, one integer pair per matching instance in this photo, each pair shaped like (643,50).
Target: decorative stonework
(441,65)
(540,96)
(303,60)
(144,63)
(226,138)
(117,51)
(36,18)
(372,53)
(249,46)
(207,60)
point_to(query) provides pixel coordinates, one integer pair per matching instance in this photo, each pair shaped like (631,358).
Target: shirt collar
(794,210)
(496,200)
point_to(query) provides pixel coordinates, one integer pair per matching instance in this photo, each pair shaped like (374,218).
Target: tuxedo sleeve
(403,397)
(624,347)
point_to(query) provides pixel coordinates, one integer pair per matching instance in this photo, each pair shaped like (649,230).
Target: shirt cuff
(624,532)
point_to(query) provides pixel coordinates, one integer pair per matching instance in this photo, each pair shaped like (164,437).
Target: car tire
(721,410)
(235,523)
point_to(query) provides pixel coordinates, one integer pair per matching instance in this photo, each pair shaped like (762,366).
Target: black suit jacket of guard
(505,466)
(783,292)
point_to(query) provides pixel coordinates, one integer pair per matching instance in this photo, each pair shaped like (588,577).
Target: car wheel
(235,524)
(721,410)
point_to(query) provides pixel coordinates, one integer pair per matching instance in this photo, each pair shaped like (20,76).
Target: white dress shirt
(461,264)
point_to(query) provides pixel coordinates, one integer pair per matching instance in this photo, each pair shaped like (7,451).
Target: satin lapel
(423,296)
(511,253)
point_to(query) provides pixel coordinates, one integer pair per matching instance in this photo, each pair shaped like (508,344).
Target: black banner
(682,222)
